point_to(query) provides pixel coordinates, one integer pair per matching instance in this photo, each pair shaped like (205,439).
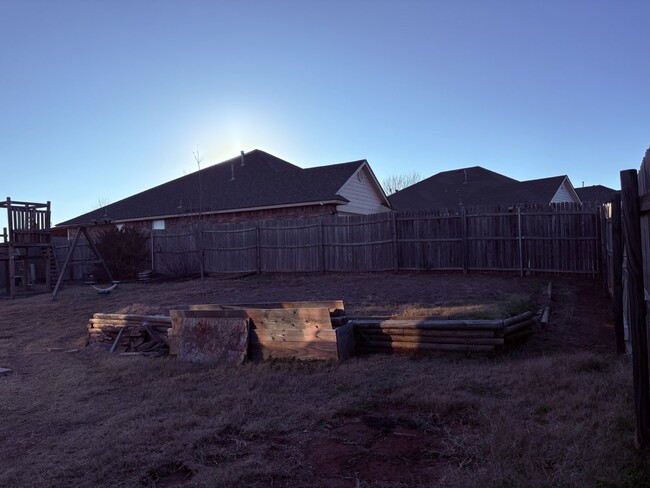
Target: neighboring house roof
(477,186)
(596,193)
(262,181)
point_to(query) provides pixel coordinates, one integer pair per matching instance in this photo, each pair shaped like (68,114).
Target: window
(158,225)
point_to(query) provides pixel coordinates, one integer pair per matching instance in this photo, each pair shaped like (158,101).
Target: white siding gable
(363,194)
(565,194)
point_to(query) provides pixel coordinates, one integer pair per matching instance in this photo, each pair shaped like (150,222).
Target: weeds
(541,415)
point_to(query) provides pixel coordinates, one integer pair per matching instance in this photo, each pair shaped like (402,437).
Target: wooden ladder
(53,270)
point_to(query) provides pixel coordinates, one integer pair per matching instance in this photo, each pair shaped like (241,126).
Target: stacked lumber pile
(414,335)
(299,330)
(129,333)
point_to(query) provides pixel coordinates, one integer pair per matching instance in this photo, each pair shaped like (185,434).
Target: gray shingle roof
(474,186)
(596,193)
(263,181)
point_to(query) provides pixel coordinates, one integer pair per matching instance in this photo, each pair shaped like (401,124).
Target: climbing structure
(26,253)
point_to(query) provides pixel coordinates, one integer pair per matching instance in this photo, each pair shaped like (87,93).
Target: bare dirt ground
(556,411)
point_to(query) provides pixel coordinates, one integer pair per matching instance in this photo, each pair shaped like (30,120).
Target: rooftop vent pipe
(232,172)
(242,158)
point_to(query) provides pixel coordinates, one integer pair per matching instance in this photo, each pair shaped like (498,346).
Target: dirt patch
(554,411)
(377,447)
(167,475)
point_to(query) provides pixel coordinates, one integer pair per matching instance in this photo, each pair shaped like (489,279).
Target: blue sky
(100,100)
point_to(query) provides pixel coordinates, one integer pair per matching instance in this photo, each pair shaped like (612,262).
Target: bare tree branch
(395,183)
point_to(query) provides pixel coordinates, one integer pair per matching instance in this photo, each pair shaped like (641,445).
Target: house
(254,185)
(596,194)
(477,186)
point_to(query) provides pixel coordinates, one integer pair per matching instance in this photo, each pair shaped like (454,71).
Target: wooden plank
(177,317)
(298,318)
(292,350)
(332,305)
(617,268)
(133,317)
(213,340)
(173,341)
(117,339)
(345,342)
(293,335)
(636,310)
(546,314)
(98,323)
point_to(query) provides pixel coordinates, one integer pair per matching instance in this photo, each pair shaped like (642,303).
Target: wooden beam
(92,245)
(12,272)
(345,342)
(637,308)
(617,265)
(333,306)
(68,257)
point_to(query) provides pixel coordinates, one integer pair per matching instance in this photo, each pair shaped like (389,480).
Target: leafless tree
(398,182)
(102,202)
(198,157)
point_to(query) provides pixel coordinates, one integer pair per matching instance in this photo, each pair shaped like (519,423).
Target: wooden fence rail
(535,238)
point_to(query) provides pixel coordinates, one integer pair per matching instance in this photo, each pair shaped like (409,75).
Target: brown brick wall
(235,217)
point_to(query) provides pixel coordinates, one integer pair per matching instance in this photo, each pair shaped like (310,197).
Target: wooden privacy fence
(537,238)
(534,238)
(631,285)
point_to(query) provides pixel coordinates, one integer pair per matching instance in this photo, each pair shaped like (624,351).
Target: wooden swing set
(27,242)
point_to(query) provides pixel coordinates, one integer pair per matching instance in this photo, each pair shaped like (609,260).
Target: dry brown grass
(555,412)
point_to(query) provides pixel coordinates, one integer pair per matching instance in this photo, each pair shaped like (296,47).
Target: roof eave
(336,201)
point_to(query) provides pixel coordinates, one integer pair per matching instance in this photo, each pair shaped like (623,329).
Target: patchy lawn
(556,411)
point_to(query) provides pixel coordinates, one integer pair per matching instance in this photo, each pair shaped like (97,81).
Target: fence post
(521,244)
(617,267)
(465,247)
(395,248)
(321,244)
(258,258)
(601,226)
(153,267)
(637,308)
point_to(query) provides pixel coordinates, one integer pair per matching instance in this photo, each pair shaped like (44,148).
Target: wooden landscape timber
(296,330)
(299,330)
(144,334)
(410,335)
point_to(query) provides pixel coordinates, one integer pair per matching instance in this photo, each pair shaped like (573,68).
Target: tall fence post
(321,244)
(395,248)
(465,244)
(601,225)
(637,309)
(258,257)
(520,243)
(617,268)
